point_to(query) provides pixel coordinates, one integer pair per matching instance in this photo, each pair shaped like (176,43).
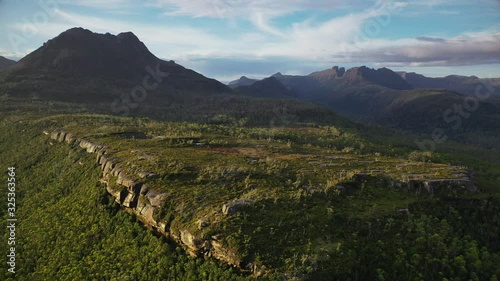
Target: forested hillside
(70,228)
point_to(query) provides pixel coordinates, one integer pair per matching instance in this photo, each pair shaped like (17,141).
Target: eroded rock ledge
(144,202)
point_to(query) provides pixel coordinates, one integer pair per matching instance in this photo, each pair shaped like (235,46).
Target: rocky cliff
(132,191)
(145,202)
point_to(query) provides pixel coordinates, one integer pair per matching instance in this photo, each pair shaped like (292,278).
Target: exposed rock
(117,171)
(54,135)
(404,211)
(220,252)
(114,192)
(145,157)
(90,147)
(144,201)
(61,136)
(202,223)
(190,241)
(155,199)
(146,210)
(70,138)
(128,183)
(236,206)
(144,189)
(130,200)
(148,175)
(109,166)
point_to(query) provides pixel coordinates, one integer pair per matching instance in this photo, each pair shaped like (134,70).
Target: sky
(226,39)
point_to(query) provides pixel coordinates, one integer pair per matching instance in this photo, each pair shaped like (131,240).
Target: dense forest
(70,228)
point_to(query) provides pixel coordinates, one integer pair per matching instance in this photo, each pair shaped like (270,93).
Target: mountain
(5,62)
(243,81)
(315,85)
(92,67)
(460,84)
(82,71)
(266,88)
(386,97)
(382,76)
(328,74)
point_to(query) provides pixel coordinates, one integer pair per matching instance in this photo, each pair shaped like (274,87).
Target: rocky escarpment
(145,202)
(133,191)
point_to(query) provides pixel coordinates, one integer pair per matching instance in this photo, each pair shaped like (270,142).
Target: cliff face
(129,190)
(145,202)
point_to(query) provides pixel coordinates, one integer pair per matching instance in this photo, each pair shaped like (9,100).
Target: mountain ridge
(93,67)
(5,62)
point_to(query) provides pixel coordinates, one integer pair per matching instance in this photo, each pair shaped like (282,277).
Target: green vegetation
(327,202)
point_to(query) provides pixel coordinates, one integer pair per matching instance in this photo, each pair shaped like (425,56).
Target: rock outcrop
(144,201)
(235,207)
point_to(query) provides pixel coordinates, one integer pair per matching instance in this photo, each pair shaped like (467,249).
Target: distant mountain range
(403,100)
(243,81)
(460,84)
(117,74)
(5,62)
(382,77)
(80,66)
(266,88)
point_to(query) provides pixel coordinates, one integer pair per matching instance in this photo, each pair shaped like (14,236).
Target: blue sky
(226,39)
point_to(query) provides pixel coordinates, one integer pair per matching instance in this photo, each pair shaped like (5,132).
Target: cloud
(430,39)
(467,49)
(100,5)
(297,44)
(259,12)
(241,8)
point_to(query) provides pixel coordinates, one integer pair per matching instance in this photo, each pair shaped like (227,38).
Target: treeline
(444,240)
(69,229)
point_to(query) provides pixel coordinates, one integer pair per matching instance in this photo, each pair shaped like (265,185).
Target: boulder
(62,136)
(114,192)
(156,199)
(202,223)
(109,166)
(235,207)
(219,252)
(404,211)
(70,138)
(148,175)
(128,183)
(190,241)
(130,200)
(117,171)
(54,135)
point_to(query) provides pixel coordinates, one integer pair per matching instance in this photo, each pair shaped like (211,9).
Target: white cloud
(350,38)
(466,49)
(98,4)
(259,12)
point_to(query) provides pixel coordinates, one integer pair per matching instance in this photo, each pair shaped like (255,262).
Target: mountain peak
(81,52)
(90,63)
(382,76)
(76,30)
(325,75)
(243,81)
(269,87)
(128,34)
(5,62)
